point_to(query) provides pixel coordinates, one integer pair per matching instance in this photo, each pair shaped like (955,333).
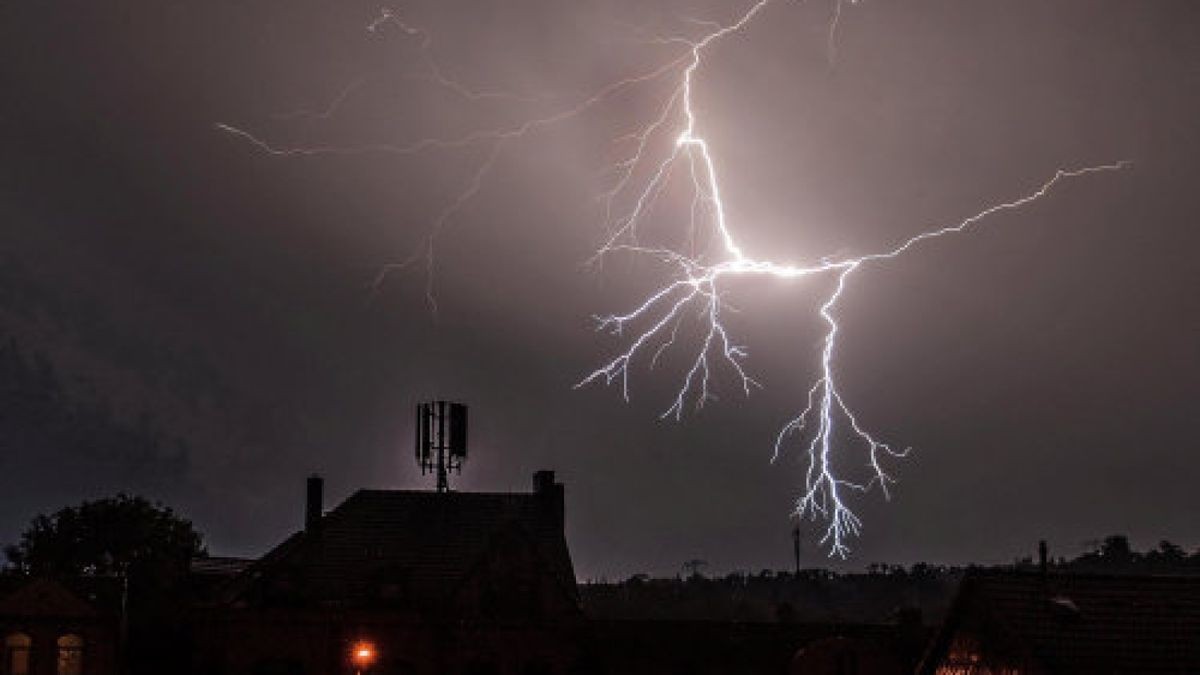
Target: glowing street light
(363,655)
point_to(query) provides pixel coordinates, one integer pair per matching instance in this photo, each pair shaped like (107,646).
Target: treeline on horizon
(104,538)
(879,594)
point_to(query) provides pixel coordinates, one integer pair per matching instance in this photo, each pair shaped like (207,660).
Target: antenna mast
(441,439)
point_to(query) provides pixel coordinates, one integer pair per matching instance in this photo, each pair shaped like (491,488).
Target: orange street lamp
(363,655)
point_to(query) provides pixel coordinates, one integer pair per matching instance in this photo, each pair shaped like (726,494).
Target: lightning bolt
(697,285)
(696,293)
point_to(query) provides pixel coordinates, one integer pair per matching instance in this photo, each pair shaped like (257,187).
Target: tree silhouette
(146,546)
(117,536)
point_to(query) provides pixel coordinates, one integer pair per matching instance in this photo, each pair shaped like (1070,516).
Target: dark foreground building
(399,582)
(1041,623)
(49,627)
(654,647)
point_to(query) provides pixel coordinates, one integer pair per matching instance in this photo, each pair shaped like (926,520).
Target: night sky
(1045,368)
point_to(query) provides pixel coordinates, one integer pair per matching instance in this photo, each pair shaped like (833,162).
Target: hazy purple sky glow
(1044,369)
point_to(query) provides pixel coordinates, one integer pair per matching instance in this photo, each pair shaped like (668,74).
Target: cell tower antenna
(441,439)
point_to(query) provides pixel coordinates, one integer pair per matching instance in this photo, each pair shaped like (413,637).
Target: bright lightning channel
(697,286)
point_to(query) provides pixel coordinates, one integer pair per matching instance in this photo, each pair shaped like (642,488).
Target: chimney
(314,506)
(543,481)
(1043,564)
(550,494)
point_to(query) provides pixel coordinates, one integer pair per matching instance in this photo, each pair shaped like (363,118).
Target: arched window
(16,654)
(70,655)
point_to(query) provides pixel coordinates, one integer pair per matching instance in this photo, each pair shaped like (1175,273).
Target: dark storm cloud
(1043,368)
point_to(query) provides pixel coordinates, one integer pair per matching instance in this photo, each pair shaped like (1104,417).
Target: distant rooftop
(1076,623)
(418,544)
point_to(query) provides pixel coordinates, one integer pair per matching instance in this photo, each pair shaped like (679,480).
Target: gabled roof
(1082,623)
(424,541)
(42,597)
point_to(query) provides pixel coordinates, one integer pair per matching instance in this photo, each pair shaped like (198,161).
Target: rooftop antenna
(441,439)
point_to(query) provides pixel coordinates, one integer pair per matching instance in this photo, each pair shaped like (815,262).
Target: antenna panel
(441,439)
(458,431)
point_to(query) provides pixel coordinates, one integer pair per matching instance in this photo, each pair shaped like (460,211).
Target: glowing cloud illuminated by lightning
(825,427)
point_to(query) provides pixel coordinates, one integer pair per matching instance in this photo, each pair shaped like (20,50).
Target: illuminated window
(16,654)
(70,655)
(966,657)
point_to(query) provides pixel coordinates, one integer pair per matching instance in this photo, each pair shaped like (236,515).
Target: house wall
(302,642)
(99,642)
(976,648)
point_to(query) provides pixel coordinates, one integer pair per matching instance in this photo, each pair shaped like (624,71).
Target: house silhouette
(1005,621)
(416,581)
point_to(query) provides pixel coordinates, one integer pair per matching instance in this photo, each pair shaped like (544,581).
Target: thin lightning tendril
(696,292)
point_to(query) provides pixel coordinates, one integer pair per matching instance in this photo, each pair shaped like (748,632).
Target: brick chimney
(314,506)
(550,495)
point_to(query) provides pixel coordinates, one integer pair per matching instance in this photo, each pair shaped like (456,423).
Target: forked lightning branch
(825,427)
